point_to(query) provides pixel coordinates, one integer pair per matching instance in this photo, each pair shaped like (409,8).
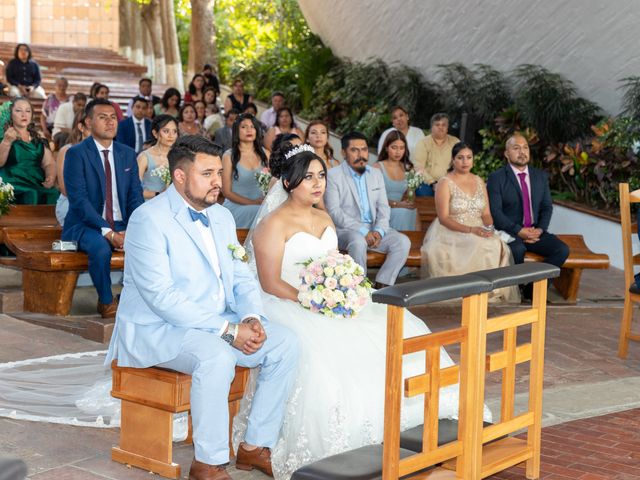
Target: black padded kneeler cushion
(447,432)
(364,463)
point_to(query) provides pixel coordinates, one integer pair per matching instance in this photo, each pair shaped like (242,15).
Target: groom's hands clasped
(251,336)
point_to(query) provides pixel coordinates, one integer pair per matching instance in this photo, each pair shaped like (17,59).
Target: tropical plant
(631,96)
(549,103)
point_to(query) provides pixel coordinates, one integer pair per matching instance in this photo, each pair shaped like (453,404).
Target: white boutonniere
(238,252)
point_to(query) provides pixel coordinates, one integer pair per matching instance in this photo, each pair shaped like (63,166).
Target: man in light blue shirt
(357,201)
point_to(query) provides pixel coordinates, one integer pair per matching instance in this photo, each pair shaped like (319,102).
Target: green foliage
(358,96)
(590,172)
(549,103)
(482,92)
(631,96)
(182,9)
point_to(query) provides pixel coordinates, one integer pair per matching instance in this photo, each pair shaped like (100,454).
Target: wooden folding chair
(631,291)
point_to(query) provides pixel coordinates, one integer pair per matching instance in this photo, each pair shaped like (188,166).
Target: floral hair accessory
(238,252)
(299,149)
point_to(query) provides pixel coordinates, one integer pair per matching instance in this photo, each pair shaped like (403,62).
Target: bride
(337,403)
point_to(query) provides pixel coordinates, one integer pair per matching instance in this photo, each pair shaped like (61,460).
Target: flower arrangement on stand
(334,285)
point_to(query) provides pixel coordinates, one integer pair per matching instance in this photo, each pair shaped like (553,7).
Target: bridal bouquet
(334,285)
(6,196)
(263,177)
(164,173)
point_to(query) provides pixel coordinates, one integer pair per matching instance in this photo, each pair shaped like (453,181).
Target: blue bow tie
(199,216)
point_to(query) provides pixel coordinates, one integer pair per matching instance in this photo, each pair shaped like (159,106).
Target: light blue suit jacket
(343,202)
(170,285)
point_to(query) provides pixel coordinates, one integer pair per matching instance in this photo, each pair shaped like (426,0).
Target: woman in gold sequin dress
(462,239)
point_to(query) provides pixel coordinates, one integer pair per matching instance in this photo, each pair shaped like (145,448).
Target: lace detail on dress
(464,208)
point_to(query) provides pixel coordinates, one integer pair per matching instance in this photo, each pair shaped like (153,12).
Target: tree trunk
(171,47)
(153,21)
(203,37)
(147,48)
(137,34)
(124,42)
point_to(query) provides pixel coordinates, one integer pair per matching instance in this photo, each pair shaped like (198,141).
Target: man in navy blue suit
(521,205)
(103,187)
(136,129)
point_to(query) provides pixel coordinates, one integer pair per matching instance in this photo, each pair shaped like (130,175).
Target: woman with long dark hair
(196,89)
(285,123)
(394,163)
(462,239)
(317,135)
(170,103)
(240,165)
(164,130)
(25,159)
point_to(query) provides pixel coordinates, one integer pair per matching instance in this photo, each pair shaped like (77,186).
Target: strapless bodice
(301,247)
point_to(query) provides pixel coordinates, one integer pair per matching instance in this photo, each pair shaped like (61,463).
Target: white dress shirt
(141,141)
(212,256)
(117,213)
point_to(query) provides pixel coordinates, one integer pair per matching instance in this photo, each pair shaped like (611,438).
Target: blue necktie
(199,216)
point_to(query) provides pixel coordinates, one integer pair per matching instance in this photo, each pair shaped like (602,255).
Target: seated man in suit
(136,129)
(521,205)
(222,136)
(103,188)
(189,305)
(145,86)
(357,202)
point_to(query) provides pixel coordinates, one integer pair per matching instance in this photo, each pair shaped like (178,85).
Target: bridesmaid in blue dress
(394,163)
(164,129)
(240,164)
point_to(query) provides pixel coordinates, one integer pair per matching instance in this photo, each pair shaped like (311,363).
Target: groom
(190,304)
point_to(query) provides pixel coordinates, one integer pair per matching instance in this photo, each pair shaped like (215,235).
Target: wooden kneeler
(150,397)
(631,291)
(497,455)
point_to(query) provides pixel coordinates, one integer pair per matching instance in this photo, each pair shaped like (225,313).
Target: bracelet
(113,234)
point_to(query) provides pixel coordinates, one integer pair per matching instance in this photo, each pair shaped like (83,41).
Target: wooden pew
(48,277)
(150,397)
(28,216)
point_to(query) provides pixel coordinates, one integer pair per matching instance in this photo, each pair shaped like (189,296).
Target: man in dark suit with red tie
(103,187)
(521,205)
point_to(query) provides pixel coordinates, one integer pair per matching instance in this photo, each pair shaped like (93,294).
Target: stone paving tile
(599,448)
(67,473)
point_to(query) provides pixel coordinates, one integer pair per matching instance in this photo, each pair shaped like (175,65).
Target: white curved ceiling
(594,43)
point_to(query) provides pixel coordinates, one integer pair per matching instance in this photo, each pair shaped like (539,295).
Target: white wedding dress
(337,403)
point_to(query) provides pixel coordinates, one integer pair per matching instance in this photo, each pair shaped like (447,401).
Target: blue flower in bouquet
(334,285)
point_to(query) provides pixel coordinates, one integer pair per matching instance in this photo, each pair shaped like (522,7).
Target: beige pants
(37,92)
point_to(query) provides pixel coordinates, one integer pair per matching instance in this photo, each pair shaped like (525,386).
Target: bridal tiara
(299,149)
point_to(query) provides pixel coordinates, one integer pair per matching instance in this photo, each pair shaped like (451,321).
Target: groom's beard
(203,202)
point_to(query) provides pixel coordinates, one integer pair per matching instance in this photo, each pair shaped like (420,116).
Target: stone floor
(584,379)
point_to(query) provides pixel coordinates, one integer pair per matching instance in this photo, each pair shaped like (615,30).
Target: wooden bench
(48,277)
(28,216)
(150,397)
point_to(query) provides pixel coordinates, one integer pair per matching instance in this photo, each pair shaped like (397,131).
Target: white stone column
(23,21)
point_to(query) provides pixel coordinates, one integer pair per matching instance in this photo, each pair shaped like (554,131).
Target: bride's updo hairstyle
(291,167)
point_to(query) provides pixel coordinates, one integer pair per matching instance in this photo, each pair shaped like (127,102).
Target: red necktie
(526,202)
(108,210)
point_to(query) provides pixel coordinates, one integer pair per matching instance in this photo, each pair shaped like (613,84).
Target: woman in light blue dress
(164,130)
(394,163)
(240,164)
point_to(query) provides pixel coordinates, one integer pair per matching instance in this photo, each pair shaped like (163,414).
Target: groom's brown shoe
(204,471)
(259,458)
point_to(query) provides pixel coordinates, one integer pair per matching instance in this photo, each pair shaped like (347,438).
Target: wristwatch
(230,335)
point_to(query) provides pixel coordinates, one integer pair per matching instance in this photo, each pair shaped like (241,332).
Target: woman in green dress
(25,159)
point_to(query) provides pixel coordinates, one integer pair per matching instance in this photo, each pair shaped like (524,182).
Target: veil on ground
(75,388)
